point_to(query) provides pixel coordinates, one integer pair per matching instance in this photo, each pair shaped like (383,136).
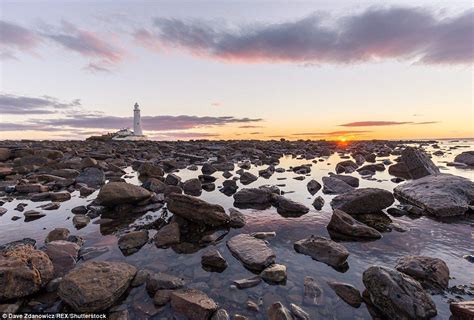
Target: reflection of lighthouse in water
(137,121)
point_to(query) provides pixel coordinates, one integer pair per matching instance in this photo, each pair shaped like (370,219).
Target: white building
(137,133)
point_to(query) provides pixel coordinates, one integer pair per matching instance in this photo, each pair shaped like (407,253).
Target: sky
(237,69)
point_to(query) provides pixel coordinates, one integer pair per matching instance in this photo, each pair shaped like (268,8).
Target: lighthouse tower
(137,121)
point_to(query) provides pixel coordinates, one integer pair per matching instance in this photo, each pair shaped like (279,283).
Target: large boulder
(151,170)
(432,273)
(116,193)
(441,195)
(289,207)
(396,295)
(23,270)
(344,226)
(324,250)
(253,196)
(96,286)
(193,304)
(364,200)
(197,210)
(467,157)
(92,177)
(252,252)
(417,163)
(335,186)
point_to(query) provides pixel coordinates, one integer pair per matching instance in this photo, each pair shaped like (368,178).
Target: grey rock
(364,200)
(323,250)
(252,252)
(344,225)
(418,163)
(197,210)
(439,195)
(335,186)
(432,273)
(396,295)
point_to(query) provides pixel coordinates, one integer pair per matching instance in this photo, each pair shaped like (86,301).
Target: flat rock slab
(197,210)
(116,193)
(440,195)
(324,250)
(396,295)
(192,303)
(252,252)
(364,200)
(95,286)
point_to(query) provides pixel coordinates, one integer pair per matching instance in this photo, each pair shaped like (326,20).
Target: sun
(343,139)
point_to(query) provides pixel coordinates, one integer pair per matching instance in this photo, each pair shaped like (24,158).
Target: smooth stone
(162,297)
(274,274)
(197,210)
(117,193)
(167,235)
(237,218)
(313,186)
(248,282)
(466,157)
(335,186)
(288,207)
(318,203)
(57,234)
(80,221)
(323,250)
(213,260)
(91,177)
(347,293)
(220,314)
(160,281)
(252,252)
(132,242)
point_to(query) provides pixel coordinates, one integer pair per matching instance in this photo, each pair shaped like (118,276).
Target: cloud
(333,133)
(377,33)
(86,43)
(373,123)
(15,38)
(184,135)
(383,123)
(152,123)
(23,105)
(216,104)
(249,126)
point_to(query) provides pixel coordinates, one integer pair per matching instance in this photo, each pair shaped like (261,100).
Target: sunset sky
(237,69)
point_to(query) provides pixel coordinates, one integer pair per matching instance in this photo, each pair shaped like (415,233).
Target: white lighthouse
(137,133)
(137,121)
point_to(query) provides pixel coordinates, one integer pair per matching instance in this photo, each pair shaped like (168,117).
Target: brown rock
(194,304)
(96,286)
(116,193)
(347,293)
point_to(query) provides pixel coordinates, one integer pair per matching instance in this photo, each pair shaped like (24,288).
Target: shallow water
(425,236)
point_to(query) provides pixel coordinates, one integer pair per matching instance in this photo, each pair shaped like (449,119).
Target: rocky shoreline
(65,273)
